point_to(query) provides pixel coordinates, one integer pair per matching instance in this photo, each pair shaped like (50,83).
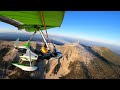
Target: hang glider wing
(28,19)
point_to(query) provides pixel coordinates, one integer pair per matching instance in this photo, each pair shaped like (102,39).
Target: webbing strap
(43,21)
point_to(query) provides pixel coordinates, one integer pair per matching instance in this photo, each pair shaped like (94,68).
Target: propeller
(16,43)
(15,47)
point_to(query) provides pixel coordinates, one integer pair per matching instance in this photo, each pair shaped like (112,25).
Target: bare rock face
(71,53)
(78,62)
(103,64)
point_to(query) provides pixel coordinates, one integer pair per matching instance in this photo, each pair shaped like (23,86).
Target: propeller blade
(16,42)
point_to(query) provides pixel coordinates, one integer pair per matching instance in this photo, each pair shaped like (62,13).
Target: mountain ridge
(78,62)
(61,40)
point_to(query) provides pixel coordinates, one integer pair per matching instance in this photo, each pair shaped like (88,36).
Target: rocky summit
(78,62)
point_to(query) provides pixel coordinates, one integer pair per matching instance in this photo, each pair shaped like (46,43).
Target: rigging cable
(43,21)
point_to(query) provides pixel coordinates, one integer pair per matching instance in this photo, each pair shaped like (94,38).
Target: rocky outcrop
(78,62)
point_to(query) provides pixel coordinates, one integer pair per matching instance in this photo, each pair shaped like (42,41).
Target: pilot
(45,54)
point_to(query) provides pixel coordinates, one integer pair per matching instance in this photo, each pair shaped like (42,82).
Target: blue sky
(102,26)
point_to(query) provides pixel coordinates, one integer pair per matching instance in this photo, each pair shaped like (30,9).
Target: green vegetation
(109,55)
(75,71)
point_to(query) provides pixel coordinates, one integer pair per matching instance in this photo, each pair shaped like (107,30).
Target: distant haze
(57,40)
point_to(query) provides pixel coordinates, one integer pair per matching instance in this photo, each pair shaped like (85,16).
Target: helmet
(44,49)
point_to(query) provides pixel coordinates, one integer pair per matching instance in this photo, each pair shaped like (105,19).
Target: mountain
(64,40)
(97,63)
(78,62)
(59,40)
(14,36)
(26,37)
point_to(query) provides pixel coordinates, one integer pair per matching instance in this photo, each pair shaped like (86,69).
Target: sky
(101,26)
